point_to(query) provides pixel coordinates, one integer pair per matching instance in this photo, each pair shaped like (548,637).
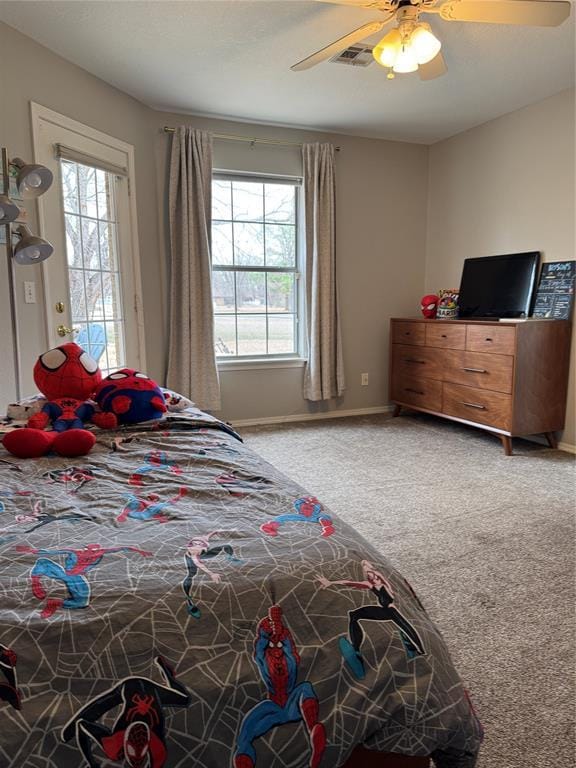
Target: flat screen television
(498,286)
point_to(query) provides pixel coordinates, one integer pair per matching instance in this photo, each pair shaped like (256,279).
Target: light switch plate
(29,292)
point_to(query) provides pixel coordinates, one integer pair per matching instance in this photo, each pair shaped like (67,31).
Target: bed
(172,599)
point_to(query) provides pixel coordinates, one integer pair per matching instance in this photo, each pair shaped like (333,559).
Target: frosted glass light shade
(406,60)
(387,50)
(424,44)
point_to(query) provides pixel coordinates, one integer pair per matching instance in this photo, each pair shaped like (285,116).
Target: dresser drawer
(479,369)
(490,338)
(421,363)
(406,332)
(494,409)
(422,393)
(446,336)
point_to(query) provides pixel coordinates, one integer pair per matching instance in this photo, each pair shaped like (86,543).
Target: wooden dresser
(507,378)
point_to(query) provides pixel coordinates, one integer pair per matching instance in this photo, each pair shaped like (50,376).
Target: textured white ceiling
(232,59)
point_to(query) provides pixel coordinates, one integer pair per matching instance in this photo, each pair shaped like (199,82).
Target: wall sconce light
(32,181)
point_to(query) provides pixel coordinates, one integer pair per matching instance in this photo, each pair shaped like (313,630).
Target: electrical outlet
(364,379)
(29,292)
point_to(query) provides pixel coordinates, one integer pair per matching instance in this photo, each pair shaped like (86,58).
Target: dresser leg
(396,411)
(506,444)
(551,438)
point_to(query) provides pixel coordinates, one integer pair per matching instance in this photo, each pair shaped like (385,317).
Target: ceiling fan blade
(433,69)
(538,13)
(339,45)
(379,5)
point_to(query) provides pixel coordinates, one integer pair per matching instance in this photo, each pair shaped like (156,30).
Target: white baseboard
(568,447)
(311,416)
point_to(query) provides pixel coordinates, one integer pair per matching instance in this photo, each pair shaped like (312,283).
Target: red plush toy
(429,305)
(66,376)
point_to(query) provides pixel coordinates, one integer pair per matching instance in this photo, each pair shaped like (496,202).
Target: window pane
(77,299)
(281,334)
(95,344)
(108,246)
(103,195)
(281,292)
(280,202)
(222,243)
(223,291)
(251,291)
(225,335)
(114,353)
(222,200)
(69,187)
(251,334)
(248,201)
(73,241)
(94,297)
(87,190)
(90,244)
(112,298)
(249,244)
(280,245)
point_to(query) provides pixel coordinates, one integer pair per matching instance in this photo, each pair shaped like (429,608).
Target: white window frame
(297,358)
(41,114)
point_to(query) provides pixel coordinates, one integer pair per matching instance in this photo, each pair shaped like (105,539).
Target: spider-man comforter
(172,599)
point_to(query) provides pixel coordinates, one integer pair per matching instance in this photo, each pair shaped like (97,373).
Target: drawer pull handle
(444,336)
(488,339)
(474,405)
(475,370)
(413,360)
(407,333)
(414,391)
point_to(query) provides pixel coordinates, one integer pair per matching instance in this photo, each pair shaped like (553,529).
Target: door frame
(40,114)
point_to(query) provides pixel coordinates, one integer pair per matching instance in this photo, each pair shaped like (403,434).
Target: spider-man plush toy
(66,376)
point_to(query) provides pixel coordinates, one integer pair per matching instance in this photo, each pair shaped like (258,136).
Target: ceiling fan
(411,45)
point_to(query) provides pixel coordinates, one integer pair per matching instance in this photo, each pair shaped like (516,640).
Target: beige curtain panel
(324,374)
(191,358)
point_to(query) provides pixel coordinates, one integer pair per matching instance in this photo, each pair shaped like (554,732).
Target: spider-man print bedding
(173,600)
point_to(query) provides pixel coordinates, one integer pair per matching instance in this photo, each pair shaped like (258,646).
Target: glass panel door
(94,279)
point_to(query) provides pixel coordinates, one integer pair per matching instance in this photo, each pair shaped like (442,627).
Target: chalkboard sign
(555,294)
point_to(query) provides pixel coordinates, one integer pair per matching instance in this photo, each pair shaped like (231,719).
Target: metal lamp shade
(9,211)
(32,180)
(31,249)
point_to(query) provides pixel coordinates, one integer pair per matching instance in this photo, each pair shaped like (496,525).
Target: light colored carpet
(486,540)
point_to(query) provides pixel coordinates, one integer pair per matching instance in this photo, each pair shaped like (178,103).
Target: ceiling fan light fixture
(406,60)
(425,45)
(387,50)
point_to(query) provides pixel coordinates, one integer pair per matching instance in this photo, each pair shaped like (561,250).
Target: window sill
(249,365)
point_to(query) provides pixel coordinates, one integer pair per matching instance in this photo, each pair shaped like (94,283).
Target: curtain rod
(248,140)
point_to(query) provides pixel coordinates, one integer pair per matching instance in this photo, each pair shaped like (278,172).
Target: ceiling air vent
(355,56)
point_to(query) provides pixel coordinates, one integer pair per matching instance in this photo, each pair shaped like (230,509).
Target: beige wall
(30,72)
(407,215)
(380,241)
(504,187)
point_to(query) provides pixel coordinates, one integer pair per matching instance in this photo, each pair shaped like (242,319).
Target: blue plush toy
(128,397)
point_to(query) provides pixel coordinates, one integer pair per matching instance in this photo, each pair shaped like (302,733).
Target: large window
(255,266)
